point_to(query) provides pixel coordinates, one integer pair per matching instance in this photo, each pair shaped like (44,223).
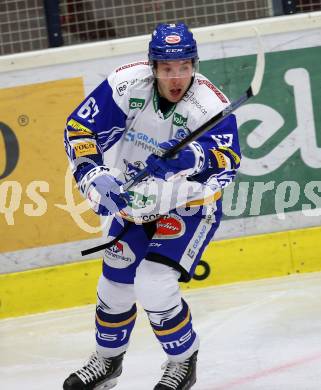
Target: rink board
(227,261)
(43,221)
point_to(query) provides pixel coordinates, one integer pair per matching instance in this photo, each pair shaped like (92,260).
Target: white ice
(261,335)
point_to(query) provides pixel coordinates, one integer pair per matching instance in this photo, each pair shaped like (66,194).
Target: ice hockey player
(163,223)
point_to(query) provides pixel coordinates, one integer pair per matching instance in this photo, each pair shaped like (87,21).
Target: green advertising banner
(280,133)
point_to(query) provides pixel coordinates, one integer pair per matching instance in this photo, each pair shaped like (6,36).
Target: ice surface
(261,335)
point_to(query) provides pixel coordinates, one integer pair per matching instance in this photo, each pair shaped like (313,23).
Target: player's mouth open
(176,92)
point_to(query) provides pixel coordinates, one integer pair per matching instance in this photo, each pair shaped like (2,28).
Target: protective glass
(174,69)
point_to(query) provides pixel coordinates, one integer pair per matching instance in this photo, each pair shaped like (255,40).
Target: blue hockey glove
(103,191)
(187,162)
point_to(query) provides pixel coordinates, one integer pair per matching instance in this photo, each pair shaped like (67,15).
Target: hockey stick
(253,90)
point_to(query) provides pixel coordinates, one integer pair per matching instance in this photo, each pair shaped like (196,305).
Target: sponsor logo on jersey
(131,65)
(179,120)
(139,201)
(85,148)
(117,248)
(172,39)
(189,97)
(220,158)
(212,87)
(136,103)
(121,88)
(79,129)
(200,237)
(231,154)
(170,226)
(198,240)
(140,218)
(149,218)
(119,255)
(142,140)
(191,253)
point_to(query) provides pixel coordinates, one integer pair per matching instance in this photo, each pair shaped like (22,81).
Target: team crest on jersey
(181,134)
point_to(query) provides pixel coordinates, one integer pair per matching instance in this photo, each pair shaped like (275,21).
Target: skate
(179,376)
(97,374)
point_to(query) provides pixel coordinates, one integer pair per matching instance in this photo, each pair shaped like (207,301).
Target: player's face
(174,78)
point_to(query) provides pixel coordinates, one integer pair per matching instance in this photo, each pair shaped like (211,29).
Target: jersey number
(89,108)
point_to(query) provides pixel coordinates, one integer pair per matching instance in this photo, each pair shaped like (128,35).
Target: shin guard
(113,331)
(176,334)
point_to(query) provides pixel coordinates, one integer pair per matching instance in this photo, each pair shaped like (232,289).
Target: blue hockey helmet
(172,42)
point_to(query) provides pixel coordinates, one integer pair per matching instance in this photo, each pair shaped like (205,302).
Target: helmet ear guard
(172,42)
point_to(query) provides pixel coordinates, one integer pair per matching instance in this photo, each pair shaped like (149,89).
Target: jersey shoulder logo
(135,103)
(179,120)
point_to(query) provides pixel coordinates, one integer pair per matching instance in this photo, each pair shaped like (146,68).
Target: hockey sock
(176,334)
(113,331)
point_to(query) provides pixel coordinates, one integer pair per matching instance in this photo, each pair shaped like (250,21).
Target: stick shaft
(215,120)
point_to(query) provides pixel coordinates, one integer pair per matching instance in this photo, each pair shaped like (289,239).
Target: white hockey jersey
(124,110)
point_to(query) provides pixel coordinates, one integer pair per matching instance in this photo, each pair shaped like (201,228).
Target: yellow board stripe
(116,324)
(49,288)
(175,329)
(234,260)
